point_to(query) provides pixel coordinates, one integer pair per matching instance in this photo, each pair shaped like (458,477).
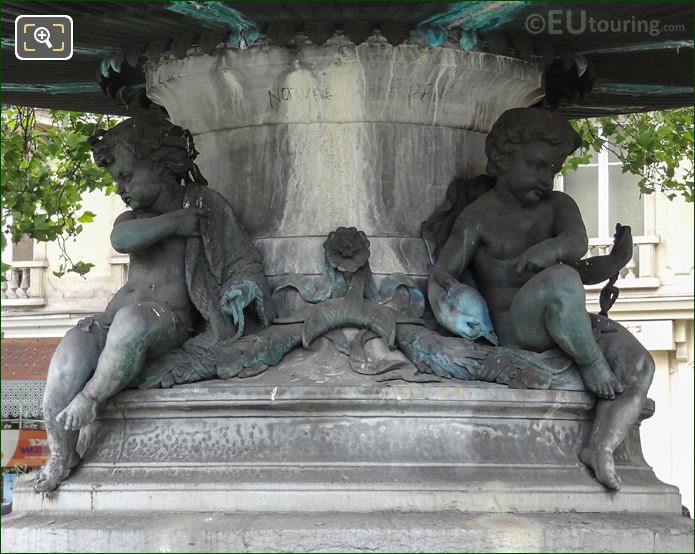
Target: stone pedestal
(309,461)
(344,447)
(304,140)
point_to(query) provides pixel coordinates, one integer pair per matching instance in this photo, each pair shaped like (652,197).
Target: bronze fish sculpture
(463,311)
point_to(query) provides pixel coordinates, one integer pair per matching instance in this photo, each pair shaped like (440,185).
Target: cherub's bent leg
(71,366)
(138,332)
(633,364)
(549,310)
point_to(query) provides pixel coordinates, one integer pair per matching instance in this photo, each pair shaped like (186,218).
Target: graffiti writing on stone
(279,95)
(422,92)
(413,92)
(308,143)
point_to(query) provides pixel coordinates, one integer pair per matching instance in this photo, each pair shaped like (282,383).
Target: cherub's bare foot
(80,412)
(602,463)
(50,475)
(600,380)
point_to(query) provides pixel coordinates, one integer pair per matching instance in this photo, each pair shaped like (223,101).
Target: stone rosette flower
(347,249)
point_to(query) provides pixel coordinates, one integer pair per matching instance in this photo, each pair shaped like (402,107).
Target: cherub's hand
(622,244)
(188,221)
(235,299)
(444,279)
(536,258)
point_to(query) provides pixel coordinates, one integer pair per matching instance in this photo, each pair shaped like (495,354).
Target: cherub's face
(137,183)
(528,172)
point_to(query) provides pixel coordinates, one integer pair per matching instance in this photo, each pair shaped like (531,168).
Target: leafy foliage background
(655,146)
(46,170)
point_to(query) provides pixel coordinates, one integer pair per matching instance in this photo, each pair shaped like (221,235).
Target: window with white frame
(17,252)
(606,196)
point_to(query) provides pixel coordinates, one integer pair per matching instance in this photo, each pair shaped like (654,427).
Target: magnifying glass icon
(43,36)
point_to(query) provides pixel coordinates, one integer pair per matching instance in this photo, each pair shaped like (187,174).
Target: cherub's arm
(571,241)
(132,233)
(568,245)
(454,257)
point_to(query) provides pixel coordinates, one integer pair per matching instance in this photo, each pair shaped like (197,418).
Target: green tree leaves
(655,146)
(47,168)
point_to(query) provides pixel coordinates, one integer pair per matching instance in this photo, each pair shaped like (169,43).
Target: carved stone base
(308,438)
(348,453)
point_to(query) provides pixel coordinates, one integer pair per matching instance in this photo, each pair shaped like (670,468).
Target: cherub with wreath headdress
(194,279)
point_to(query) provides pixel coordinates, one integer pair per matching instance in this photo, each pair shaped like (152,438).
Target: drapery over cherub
(194,280)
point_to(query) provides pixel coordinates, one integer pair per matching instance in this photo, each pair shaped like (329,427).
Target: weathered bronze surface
(522,244)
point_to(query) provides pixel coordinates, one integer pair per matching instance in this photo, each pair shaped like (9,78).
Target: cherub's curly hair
(521,125)
(151,136)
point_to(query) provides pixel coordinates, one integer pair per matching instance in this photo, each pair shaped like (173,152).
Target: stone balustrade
(24,284)
(640,271)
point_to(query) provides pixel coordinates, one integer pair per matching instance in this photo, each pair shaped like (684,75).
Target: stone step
(350,489)
(445,531)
